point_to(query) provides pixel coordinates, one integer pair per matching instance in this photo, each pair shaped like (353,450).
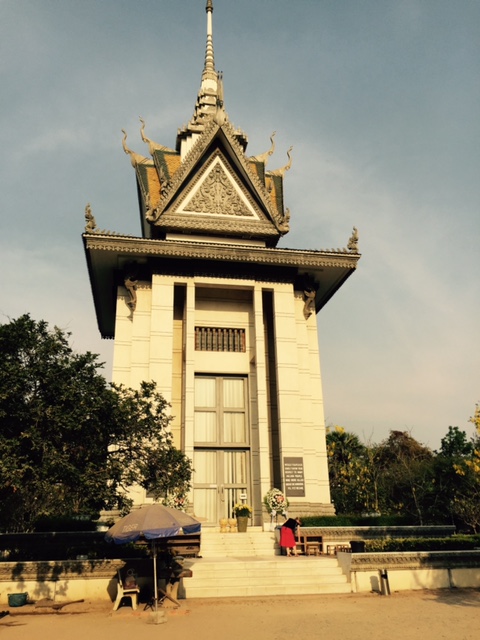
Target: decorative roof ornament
(284,223)
(135,158)
(309,300)
(152,146)
(90,224)
(220,114)
(352,245)
(264,157)
(131,286)
(150,212)
(283,170)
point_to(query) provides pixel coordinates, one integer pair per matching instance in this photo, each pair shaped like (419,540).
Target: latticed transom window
(219,339)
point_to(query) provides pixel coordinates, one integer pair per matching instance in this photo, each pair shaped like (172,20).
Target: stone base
(299,509)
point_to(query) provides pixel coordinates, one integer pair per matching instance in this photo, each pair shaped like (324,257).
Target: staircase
(250,564)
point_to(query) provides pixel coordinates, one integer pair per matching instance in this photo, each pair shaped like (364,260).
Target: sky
(381,102)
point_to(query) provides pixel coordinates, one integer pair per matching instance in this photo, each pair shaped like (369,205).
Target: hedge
(356,521)
(452,543)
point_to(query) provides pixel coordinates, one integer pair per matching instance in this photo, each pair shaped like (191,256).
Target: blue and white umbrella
(151,523)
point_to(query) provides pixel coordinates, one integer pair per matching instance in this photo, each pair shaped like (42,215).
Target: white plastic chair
(128,590)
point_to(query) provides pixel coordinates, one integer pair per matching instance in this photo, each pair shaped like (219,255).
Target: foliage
(242,510)
(455,444)
(466,503)
(452,543)
(175,501)
(401,476)
(347,470)
(275,502)
(72,444)
(406,474)
(454,481)
(53,546)
(357,521)
(166,474)
(459,475)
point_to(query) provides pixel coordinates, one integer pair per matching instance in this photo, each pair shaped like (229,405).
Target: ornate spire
(209,105)
(209,67)
(206,106)
(207,96)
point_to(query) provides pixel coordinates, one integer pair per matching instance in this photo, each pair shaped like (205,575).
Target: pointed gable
(215,191)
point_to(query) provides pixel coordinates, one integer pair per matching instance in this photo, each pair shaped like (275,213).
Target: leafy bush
(452,543)
(26,547)
(356,521)
(65,524)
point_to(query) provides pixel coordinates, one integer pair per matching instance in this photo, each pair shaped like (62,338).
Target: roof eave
(106,255)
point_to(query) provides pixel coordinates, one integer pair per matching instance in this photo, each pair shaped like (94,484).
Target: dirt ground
(412,615)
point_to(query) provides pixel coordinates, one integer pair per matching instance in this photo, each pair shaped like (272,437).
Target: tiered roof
(207,185)
(207,207)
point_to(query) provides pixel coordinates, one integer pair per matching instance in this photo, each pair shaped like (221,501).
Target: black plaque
(294,477)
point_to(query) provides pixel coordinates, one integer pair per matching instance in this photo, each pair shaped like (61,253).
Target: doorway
(222,454)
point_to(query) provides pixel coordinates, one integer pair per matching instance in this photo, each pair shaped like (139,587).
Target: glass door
(220,479)
(222,455)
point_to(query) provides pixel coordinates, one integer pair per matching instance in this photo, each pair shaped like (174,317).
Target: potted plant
(242,512)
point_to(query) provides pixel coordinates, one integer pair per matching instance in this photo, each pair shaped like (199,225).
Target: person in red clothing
(287,536)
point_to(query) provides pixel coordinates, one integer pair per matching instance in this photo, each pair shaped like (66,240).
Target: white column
(189,370)
(288,391)
(122,348)
(161,334)
(261,454)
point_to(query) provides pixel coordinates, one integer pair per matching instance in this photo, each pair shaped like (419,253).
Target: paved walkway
(417,615)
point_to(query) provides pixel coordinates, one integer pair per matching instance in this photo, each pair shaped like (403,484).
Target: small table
(312,549)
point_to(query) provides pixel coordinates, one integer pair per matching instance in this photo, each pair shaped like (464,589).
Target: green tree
(439,505)
(346,470)
(407,476)
(466,499)
(70,444)
(455,444)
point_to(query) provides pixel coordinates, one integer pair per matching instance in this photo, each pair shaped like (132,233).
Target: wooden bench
(308,538)
(333,549)
(333,539)
(187,545)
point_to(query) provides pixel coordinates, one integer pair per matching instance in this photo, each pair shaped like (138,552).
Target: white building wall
(144,347)
(312,429)
(318,436)
(300,399)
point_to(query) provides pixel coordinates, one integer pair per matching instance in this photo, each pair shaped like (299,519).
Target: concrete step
(250,564)
(256,576)
(251,543)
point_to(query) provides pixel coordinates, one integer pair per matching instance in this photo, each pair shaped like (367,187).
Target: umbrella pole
(155,586)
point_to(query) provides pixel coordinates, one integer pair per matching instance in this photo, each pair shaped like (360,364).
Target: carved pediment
(217,192)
